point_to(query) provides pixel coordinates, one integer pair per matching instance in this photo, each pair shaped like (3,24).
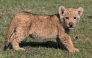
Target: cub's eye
(66,18)
(75,17)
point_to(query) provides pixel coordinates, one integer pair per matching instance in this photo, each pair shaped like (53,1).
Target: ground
(81,35)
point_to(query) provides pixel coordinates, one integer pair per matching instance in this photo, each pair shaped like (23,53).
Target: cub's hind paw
(19,49)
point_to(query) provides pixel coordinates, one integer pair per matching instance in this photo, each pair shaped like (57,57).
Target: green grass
(34,49)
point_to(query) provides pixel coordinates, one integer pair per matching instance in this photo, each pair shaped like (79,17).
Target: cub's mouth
(71,28)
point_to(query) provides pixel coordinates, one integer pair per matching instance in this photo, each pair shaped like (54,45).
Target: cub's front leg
(64,38)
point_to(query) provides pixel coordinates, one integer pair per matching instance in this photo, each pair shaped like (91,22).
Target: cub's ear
(80,10)
(61,10)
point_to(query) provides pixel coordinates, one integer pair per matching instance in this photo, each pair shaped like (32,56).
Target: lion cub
(44,27)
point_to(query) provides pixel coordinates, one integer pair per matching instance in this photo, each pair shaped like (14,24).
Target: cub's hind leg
(19,35)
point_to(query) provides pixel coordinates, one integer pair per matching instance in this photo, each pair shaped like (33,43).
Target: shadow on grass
(47,44)
(90,17)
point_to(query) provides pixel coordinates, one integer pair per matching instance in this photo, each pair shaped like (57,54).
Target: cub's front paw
(74,50)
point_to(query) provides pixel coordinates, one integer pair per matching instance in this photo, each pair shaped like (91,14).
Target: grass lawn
(47,49)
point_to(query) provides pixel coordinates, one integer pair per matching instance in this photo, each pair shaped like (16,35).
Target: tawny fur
(44,27)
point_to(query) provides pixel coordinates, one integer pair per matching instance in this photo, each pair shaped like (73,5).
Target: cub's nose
(71,24)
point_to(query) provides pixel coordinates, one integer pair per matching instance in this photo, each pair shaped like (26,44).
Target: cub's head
(70,16)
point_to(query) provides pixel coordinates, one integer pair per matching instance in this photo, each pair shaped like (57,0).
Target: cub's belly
(44,34)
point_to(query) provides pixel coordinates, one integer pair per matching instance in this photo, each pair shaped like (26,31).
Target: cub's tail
(10,32)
